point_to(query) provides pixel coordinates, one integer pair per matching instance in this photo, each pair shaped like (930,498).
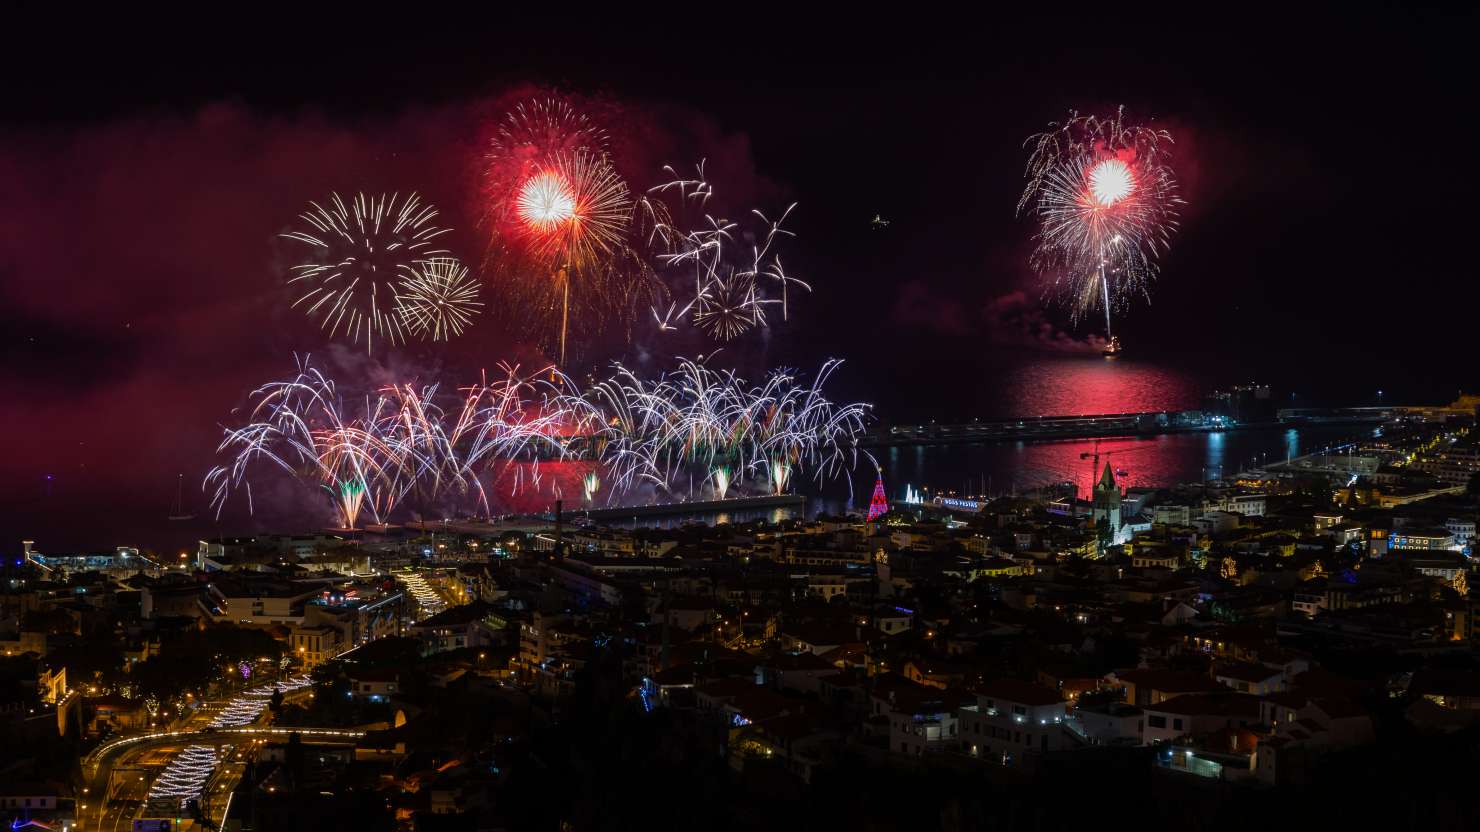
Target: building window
(1176,724)
(1156,721)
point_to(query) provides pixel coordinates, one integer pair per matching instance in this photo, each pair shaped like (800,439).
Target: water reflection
(1213,467)
(1156,461)
(1001,468)
(1089,385)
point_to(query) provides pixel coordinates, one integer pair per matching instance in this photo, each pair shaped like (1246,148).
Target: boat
(1112,349)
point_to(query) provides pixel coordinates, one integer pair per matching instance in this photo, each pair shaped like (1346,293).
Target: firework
(727,278)
(358,253)
(574,210)
(1105,198)
(534,132)
(438,299)
(351,498)
(695,425)
(721,477)
(729,306)
(780,476)
(659,432)
(565,230)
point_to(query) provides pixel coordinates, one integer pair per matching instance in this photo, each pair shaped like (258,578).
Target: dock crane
(1095,455)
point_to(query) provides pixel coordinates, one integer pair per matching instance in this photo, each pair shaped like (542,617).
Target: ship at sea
(1112,349)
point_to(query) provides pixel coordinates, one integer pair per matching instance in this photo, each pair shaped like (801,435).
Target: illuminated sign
(956,502)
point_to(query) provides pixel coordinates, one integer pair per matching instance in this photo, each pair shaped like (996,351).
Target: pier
(1097,426)
(692,507)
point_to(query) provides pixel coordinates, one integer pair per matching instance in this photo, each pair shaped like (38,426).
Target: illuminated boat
(1112,349)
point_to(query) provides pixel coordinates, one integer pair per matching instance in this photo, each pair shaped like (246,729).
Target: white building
(1111,723)
(1012,719)
(1463,530)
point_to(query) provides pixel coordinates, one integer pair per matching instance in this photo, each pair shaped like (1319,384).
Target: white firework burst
(438,299)
(358,253)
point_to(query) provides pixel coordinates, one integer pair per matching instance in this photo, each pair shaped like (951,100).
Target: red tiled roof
(379,675)
(1337,707)
(1209,704)
(801,662)
(1170,681)
(1022,693)
(1245,672)
(726,688)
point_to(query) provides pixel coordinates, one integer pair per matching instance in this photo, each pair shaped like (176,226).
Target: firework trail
(566,234)
(714,423)
(438,299)
(358,254)
(297,427)
(1105,197)
(728,279)
(407,441)
(371,453)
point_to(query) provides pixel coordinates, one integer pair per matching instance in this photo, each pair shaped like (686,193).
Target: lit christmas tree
(1230,569)
(878,505)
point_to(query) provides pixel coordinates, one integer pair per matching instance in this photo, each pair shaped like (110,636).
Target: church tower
(1107,503)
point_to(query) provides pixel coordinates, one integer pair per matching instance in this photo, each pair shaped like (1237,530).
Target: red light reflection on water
(1053,386)
(1151,462)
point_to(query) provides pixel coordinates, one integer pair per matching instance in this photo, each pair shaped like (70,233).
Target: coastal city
(517,419)
(1211,640)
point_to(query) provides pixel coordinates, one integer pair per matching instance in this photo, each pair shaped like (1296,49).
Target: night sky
(146,169)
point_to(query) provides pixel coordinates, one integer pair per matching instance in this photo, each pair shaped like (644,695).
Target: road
(179,762)
(124,775)
(430,599)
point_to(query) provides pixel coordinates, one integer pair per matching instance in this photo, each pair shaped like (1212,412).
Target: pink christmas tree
(878,505)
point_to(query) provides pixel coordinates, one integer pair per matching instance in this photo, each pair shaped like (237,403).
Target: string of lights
(187,772)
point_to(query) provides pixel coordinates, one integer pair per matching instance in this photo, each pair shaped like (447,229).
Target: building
(1247,677)
(374,685)
(922,720)
(1012,720)
(1110,723)
(471,625)
(37,806)
(314,645)
(1249,505)
(1462,529)
(1452,466)
(1145,688)
(1421,539)
(1172,514)
(1196,714)
(255,600)
(1106,511)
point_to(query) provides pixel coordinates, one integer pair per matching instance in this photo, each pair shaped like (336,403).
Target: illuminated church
(1107,508)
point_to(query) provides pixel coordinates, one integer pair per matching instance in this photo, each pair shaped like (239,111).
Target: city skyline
(741,418)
